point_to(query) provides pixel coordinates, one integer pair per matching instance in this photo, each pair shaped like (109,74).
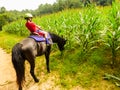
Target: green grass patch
(7,41)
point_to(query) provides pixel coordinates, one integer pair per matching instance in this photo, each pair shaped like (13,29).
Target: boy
(33,28)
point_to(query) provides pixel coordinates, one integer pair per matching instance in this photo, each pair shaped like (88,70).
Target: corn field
(86,28)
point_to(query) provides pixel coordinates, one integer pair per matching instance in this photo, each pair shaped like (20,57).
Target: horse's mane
(56,38)
(59,40)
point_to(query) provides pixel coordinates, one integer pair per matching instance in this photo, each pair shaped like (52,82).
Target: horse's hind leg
(32,65)
(20,88)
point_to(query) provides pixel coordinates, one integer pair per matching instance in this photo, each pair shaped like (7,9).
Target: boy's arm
(39,27)
(35,33)
(39,34)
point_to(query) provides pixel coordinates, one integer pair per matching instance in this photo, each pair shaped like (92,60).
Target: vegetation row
(87,28)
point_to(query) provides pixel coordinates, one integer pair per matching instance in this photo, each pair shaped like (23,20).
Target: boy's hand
(39,27)
(35,33)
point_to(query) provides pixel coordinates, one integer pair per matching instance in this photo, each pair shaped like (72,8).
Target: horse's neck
(56,39)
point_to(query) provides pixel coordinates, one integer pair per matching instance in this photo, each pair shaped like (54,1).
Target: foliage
(89,34)
(2,10)
(68,4)
(16,28)
(4,19)
(112,34)
(43,9)
(8,17)
(104,2)
(80,28)
(7,40)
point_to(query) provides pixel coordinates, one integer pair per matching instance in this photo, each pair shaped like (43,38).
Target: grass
(74,72)
(7,41)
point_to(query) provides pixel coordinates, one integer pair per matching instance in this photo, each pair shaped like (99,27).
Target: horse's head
(59,40)
(61,44)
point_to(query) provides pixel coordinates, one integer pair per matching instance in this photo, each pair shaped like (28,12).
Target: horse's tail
(18,63)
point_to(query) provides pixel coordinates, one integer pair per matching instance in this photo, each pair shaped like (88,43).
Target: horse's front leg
(32,65)
(47,54)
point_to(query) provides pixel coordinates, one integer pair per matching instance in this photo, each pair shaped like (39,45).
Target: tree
(2,10)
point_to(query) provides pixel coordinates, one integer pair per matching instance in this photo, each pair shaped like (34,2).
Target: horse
(28,49)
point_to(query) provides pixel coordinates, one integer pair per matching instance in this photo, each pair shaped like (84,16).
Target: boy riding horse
(35,29)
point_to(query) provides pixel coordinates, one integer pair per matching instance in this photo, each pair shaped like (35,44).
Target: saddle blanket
(37,38)
(40,38)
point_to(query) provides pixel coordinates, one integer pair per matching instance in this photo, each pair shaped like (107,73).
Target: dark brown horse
(28,49)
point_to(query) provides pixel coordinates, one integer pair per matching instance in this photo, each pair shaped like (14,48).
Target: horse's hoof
(48,71)
(37,80)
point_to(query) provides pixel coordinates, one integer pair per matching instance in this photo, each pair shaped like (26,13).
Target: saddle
(37,38)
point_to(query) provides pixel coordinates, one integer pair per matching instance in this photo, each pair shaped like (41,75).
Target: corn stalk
(88,35)
(112,39)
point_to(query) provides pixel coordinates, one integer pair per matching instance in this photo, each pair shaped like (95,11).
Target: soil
(7,73)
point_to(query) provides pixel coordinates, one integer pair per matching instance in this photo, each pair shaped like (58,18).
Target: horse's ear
(65,41)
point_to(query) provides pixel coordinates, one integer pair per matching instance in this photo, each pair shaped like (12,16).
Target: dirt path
(7,73)
(8,77)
